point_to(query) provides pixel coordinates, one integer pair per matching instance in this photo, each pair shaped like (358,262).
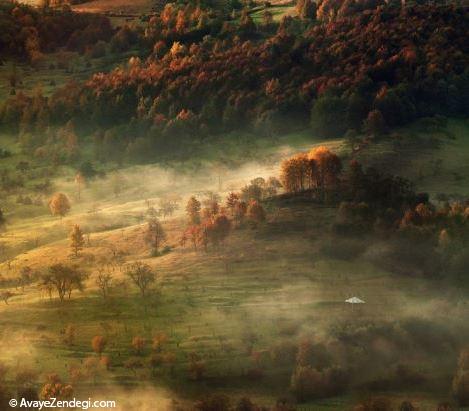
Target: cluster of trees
(212,223)
(56,388)
(359,72)
(56,145)
(139,346)
(331,10)
(142,275)
(317,170)
(64,279)
(321,174)
(209,225)
(423,238)
(28,32)
(188,23)
(258,189)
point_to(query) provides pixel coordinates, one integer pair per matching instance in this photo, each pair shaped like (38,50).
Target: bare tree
(167,207)
(155,234)
(103,281)
(142,275)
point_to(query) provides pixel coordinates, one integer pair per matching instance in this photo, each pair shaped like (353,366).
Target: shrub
(98,343)
(138,344)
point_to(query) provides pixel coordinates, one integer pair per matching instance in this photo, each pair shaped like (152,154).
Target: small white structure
(355,300)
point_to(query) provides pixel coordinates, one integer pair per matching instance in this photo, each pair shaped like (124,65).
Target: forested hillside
(367,71)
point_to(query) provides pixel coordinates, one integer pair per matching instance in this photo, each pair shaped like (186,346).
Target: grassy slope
(414,151)
(233,164)
(267,282)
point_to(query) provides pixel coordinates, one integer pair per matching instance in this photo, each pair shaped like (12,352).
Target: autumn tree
(158,341)
(329,167)
(181,22)
(59,204)
(64,278)
(98,343)
(142,276)
(317,170)
(296,173)
(193,210)
(77,240)
(155,234)
(138,344)
(55,388)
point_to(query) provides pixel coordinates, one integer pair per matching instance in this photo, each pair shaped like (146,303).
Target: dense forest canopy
(368,71)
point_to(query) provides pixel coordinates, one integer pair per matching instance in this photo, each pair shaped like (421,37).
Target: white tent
(355,300)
